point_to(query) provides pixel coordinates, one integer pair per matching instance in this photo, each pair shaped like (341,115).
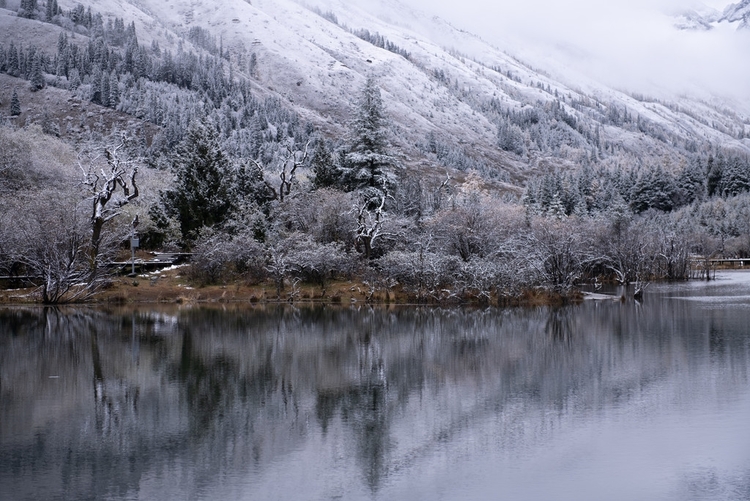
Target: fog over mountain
(633,45)
(464,73)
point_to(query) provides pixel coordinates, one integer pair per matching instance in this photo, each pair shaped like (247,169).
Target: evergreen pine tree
(22,66)
(201,194)
(691,183)
(326,171)
(61,61)
(735,179)
(653,190)
(556,207)
(114,90)
(27,9)
(37,76)
(74,79)
(95,95)
(714,168)
(104,89)
(510,138)
(50,126)
(249,186)
(77,14)
(13,67)
(256,135)
(368,162)
(51,10)
(15,105)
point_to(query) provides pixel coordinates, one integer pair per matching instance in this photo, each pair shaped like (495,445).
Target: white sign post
(135,242)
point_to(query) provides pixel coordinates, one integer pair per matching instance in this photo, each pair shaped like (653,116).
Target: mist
(627,44)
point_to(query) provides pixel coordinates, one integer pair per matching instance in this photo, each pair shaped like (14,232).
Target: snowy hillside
(703,17)
(738,13)
(441,85)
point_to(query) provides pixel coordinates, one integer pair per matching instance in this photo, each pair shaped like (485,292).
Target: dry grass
(78,120)
(172,286)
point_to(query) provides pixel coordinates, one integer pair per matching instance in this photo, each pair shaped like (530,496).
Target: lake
(606,400)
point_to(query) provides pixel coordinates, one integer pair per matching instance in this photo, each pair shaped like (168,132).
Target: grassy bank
(173,286)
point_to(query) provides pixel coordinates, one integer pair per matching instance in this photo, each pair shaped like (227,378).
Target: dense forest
(258,195)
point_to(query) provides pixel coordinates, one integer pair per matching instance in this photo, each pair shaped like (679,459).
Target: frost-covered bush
(29,159)
(50,244)
(221,258)
(425,275)
(317,263)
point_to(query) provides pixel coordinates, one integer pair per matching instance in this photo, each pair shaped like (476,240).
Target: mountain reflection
(126,403)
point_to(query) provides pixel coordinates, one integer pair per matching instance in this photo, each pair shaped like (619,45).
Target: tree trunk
(96,237)
(367,242)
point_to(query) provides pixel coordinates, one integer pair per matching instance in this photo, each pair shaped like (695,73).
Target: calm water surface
(603,401)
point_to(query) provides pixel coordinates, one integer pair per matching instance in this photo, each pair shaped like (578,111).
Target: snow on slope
(318,67)
(703,17)
(738,13)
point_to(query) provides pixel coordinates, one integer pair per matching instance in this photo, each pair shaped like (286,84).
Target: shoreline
(172,288)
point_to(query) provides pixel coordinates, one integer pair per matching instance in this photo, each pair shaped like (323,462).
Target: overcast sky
(630,44)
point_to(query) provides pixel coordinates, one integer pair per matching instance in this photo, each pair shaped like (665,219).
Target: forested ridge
(258,194)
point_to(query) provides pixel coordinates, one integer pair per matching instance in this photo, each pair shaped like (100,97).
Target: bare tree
(562,252)
(288,166)
(103,187)
(369,224)
(625,255)
(51,244)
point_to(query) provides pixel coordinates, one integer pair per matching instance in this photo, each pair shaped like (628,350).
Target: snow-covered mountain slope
(700,17)
(738,13)
(703,17)
(437,81)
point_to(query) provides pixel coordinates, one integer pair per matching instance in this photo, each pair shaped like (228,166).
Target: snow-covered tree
(369,225)
(325,171)
(51,10)
(714,168)
(37,75)
(368,160)
(27,9)
(654,190)
(103,187)
(15,104)
(510,138)
(50,242)
(556,207)
(735,177)
(114,90)
(201,192)
(691,183)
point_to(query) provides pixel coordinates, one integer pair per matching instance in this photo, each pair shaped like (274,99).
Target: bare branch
(102,213)
(369,225)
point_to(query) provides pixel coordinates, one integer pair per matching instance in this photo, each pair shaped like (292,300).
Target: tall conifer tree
(368,162)
(201,194)
(15,104)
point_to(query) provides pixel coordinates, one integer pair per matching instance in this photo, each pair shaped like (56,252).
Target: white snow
(318,67)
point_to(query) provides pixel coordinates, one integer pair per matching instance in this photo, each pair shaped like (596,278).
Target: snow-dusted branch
(370,224)
(288,174)
(102,189)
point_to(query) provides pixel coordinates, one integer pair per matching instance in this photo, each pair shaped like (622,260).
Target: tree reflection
(365,410)
(214,393)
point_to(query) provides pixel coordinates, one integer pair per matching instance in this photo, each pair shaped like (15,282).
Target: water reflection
(400,403)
